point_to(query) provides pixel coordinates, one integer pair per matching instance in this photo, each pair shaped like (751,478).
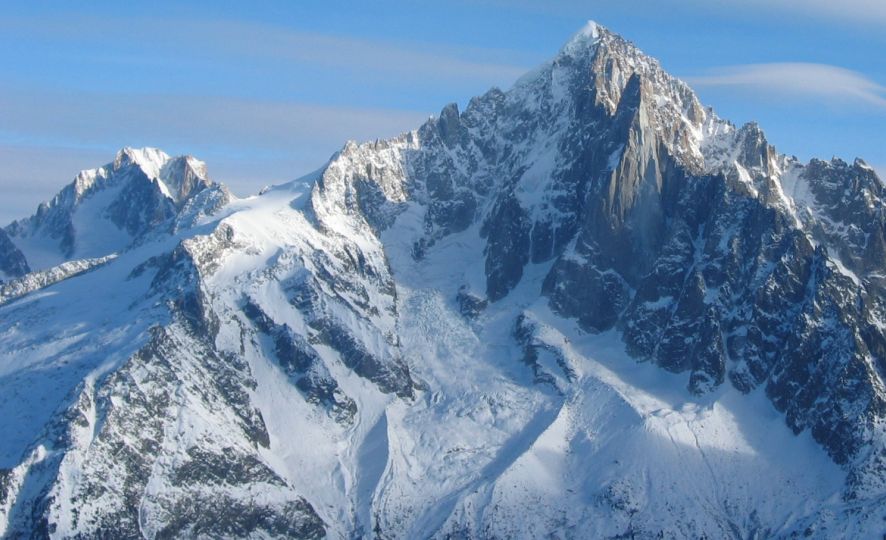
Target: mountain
(143,192)
(583,307)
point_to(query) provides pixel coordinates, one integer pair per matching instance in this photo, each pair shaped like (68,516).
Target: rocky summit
(584,307)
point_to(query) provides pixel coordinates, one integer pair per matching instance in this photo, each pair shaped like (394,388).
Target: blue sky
(265,91)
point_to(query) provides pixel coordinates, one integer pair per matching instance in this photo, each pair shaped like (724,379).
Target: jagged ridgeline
(582,307)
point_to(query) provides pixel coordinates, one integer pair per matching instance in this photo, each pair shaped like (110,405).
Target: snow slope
(582,308)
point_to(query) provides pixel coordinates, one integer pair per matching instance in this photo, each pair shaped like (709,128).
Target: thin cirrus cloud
(858,11)
(230,42)
(96,118)
(355,54)
(796,80)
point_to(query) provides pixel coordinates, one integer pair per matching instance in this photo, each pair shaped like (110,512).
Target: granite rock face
(586,299)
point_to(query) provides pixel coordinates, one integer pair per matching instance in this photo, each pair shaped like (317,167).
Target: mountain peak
(150,160)
(143,191)
(586,37)
(175,176)
(591,30)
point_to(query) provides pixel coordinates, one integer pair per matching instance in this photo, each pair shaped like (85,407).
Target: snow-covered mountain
(140,194)
(583,307)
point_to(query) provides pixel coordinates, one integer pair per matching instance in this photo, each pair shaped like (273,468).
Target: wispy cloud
(229,41)
(358,54)
(819,81)
(860,11)
(97,118)
(866,12)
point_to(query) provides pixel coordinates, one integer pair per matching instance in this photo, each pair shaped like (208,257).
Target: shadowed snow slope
(586,307)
